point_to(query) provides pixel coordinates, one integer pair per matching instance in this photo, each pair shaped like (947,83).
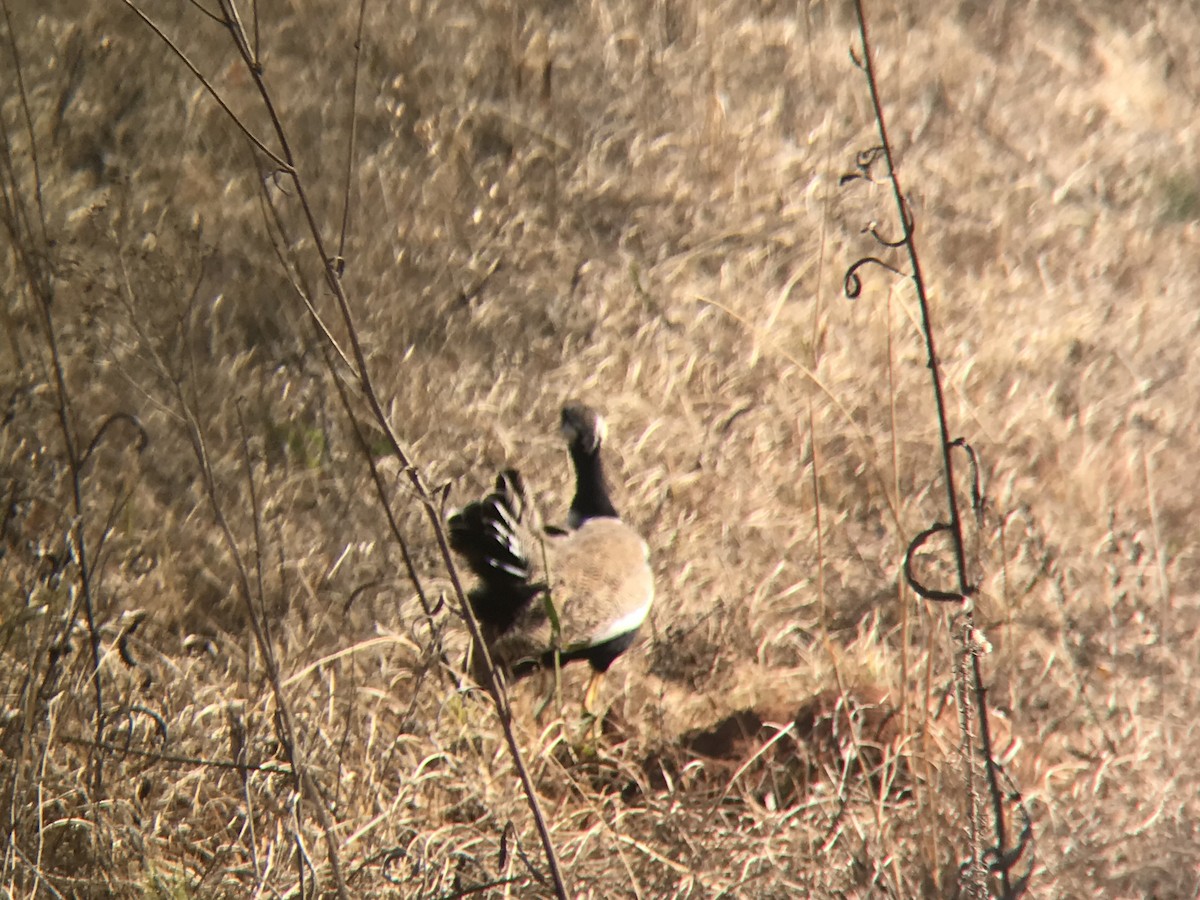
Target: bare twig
(28,117)
(352,136)
(208,86)
(179,759)
(970,690)
(288,734)
(32,252)
(332,265)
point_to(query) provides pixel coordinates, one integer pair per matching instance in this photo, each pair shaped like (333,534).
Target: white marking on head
(601,430)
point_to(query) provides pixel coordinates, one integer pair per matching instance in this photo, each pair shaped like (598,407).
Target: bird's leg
(555,691)
(589,695)
(590,714)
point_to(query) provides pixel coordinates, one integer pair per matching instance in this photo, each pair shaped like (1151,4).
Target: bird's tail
(492,534)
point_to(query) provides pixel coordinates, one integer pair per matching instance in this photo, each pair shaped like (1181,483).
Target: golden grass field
(636,203)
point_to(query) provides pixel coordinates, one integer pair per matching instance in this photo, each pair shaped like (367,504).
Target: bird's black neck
(591,493)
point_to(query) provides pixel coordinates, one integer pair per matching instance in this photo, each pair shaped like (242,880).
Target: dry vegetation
(636,203)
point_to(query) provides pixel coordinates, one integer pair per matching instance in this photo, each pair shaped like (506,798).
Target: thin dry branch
(32,250)
(288,734)
(332,267)
(971,693)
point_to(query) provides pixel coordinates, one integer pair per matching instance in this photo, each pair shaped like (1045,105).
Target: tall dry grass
(636,204)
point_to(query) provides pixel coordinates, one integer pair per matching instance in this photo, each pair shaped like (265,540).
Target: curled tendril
(276,177)
(359,591)
(863,162)
(865,159)
(922,591)
(130,714)
(143,440)
(387,865)
(127,632)
(852,283)
(873,231)
(910,226)
(391,860)
(159,722)
(1004,860)
(978,500)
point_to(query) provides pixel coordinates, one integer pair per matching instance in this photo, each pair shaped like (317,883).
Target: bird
(551,596)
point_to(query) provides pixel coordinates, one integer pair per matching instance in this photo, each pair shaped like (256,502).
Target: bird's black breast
(600,656)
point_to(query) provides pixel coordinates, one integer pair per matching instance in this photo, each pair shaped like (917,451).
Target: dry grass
(657,229)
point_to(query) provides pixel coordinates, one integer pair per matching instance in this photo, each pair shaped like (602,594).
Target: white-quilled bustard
(548,596)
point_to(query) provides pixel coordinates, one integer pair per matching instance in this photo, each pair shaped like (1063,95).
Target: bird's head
(583,427)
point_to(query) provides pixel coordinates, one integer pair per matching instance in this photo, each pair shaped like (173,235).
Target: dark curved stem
(969,678)
(918,280)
